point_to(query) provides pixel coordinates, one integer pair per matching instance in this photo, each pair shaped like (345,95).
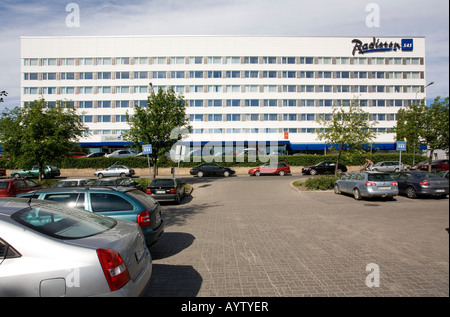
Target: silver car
(388,166)
(367,184)
(115,170)
(48,249)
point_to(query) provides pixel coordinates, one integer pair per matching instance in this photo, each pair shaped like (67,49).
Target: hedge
(292,160)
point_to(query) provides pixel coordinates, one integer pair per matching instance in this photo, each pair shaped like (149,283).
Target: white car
(115,170)
(121,153)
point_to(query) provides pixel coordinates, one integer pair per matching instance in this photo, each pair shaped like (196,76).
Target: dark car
(211,169)
(14,186)
(280,168)
(327,167)
(125,204)
(414,183)
(436,166)
(166,189)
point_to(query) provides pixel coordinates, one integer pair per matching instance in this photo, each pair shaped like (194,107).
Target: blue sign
(147,149)
(401,145)
(407,45)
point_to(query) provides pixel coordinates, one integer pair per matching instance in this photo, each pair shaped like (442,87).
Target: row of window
(223,89)
(195,60)
(225,74)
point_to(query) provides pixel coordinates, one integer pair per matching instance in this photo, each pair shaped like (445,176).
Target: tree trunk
(430,159)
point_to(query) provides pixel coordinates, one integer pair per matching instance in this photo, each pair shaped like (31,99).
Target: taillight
(424,183)
(370,184)
(114,268)
(148,191)
(394,184)
(143,219)
(173,191)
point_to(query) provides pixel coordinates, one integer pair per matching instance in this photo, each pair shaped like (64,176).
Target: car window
(162,182)
(353,176)
(59,221)
(379,177)
(6,251)
(144,199)
(405,176)
(4,185)
(31,184)
(21,184)
(104,202)
(360,177)
(70,199)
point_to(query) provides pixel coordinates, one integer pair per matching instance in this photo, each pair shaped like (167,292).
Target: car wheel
(281,173)
(411,192)
(122,175)
(16,176)
(43,176)
(396,170)
(100,175)
(339,171)
(200,174)
(226,174)
(257,173)
(313,172)
(357,194)
(336,189)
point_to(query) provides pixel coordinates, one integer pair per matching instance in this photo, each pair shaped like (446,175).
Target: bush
(321,182)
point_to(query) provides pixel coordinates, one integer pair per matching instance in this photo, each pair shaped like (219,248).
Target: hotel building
(236,88)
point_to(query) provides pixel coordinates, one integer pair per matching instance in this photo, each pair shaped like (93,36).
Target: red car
(271,168)
(437,165)
(14,186)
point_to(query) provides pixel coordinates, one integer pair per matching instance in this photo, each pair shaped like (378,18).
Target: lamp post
(414,145)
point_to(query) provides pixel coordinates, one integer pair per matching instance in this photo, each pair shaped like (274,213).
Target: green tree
(420,124)
(154,124)
(346,128)
(37,134)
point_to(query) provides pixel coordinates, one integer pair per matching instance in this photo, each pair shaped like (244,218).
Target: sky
(358,18)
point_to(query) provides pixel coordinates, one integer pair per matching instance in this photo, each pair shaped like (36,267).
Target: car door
(403,180)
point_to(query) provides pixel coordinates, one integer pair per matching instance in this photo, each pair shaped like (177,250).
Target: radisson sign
(378,45)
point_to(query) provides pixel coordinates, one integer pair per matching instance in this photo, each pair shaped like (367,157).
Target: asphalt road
(256,236)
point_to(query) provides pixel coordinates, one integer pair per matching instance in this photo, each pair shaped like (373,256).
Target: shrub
(321,182)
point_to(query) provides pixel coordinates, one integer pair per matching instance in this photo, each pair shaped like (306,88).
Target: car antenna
(29,201)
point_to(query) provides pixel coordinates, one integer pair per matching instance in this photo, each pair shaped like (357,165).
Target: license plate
(160,191)
(383,187)
(440,190)
(139,253)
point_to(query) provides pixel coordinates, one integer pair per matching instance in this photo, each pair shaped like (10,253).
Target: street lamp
(414,147)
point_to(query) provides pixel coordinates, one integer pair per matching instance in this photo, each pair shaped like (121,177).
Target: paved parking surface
(256,236)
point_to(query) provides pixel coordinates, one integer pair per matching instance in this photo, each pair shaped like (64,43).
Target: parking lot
(257,236)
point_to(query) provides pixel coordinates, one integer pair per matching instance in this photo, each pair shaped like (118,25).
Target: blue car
(125,204)
(367,184)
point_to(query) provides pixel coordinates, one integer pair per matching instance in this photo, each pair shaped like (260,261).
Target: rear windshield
(427,175)
(162,182)
(379,177)
(146,200)
(59,221)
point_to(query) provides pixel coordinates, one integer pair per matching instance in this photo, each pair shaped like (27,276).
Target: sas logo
(407,45)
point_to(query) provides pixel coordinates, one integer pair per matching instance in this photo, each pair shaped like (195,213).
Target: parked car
(166,189)
(13,186)
(2,172)
(115,170)
(366,184)
(443,174)
(121,153)
(436,165)
(327,167)
(50,171)
(125,204)
(95,154)
(415,183)
(388,166)
(50,250)
(78,154)
(211,169)
(118,182)
(280,168)
(75,182)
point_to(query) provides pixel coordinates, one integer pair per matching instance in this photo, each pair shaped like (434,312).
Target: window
(70,199)
(214,103)
(324,60)
(86,61)
(122,103)
(140,75)
(196,103)
(177,60)
(87,119)
(303,88)
(121,118)
(293,88)
(195,117)
(214,60)
(104,61)
(291,74)
(251,74)
(105,118)
(233,117)
(233,88)
(233,60)
(195,74)
(67,61)
(140,60)
(31,76)
(325,75)
(122,61)
(85,104)
(177,74)
(214,74)
(289,117)
(270,88)
(30,91)
(269,74)
(85,90)
(196,88)
(215,88)
(325,88)
(104,75)
(269,60)
(140,89)
(342,74)
(196,60)
(270,117)
(308,117)
(122,90)
(159,75)
(214,117)
(101,202)
(325,103)
(252,117)
(104,90)
(251,60)
(122,75)
(49,62)
(307,103)
(233,74)
(86,76)
(288,60)
(306,75)
(233,103)
(252,103)
(306,60)
(49,76)
(251,88)
(31,62)
(289,103)
(67,90)
(270,103)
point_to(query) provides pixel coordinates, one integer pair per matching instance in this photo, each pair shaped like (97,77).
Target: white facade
(237,88)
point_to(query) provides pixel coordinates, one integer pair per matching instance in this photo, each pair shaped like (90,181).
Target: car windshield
(379,177)
(62,222)
(162,182)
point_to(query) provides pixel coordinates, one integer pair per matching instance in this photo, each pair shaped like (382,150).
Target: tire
(357,194)
(100,175)
(411,192)
(313,172)
(281,173)
(336,189)
(257,173)
(200,174)
(16,176)
(226,174)
(122,175)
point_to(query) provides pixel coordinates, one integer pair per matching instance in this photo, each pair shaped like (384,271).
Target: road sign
(147,149)
(401,145)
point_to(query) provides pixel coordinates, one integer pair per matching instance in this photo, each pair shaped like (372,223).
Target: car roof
(10,205)
(81,189)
